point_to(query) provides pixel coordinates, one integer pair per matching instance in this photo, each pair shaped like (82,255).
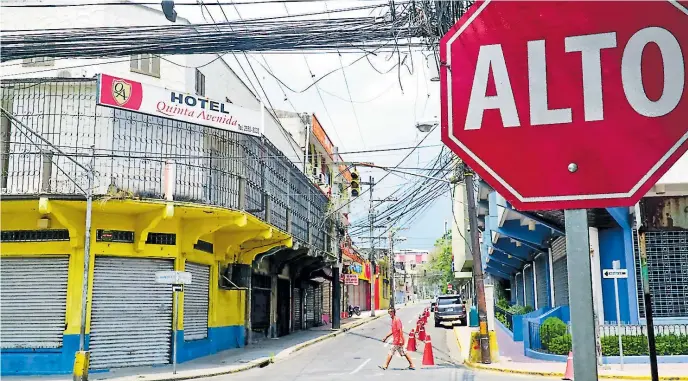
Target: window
(448,301)
(145,64)
(200,83)
(38,61)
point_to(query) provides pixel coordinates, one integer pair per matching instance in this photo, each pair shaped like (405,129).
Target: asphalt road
(357,354)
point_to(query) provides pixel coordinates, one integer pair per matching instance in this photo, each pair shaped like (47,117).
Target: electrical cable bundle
(364,33)
(413,199)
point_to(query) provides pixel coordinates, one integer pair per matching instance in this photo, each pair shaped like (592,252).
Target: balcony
(129,153)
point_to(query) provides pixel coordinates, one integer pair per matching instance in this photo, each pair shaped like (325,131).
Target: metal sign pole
(174,330)
(580,295)
(617,265)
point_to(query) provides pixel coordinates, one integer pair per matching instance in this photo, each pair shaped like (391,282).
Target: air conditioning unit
(321,179)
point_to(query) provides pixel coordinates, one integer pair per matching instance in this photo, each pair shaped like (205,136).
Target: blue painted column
(617,244)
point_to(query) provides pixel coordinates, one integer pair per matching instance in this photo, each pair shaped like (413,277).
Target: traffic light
(355,183)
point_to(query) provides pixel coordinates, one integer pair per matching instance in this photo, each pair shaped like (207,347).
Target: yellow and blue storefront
(43,269)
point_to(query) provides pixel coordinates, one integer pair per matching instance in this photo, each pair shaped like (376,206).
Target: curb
(560,374)
(265,361)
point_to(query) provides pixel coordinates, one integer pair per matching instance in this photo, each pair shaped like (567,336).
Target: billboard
(153,100)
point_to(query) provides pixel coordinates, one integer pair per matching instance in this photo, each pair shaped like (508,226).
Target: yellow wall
(226,307)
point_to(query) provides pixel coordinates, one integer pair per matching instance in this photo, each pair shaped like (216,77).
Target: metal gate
(542,285)
(667,255)
(318,303)
(310,306)
(196,302)
(530,289)
(261,287)
(131,315)
(560,273)
(327,299)
(34,301)
(519,290)
(296,295)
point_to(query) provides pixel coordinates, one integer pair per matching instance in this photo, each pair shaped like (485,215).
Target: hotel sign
(158,101)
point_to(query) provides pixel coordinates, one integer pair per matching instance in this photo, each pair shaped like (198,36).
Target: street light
(427,125)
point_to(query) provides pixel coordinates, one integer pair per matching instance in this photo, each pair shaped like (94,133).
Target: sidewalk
(261,353)
(513,361)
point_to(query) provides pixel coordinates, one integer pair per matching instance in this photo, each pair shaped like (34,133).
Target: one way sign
(611,273)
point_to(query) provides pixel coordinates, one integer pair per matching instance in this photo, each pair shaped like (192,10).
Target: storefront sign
(157,101)
(351,279)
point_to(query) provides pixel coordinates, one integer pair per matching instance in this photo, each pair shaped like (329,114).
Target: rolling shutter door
(327,299)
(196,302)
(530,291)
(519,290)
(34,301)
(560,272)
(318,304)
(310,306)
(131,314)
(542,286)
(296,295)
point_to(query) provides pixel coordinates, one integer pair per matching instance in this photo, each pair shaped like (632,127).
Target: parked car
(450,308)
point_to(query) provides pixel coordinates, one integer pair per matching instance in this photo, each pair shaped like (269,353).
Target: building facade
(256,233)
(407,273)
(526,253)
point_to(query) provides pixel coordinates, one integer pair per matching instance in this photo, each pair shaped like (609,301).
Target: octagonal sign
(571,104)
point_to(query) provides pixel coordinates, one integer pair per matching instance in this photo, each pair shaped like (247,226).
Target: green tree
(438,270)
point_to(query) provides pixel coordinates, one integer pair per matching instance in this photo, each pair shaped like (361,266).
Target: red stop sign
(561,105)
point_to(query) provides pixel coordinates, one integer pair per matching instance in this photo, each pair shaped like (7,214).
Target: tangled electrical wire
(365,33)
(413,199)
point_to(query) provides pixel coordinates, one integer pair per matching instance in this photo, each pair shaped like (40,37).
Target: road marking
(360,367)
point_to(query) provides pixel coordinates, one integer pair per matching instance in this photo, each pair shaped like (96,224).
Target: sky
(383,113)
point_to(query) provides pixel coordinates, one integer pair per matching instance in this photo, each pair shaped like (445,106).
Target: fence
(130,151)
(505,317)
(670,339)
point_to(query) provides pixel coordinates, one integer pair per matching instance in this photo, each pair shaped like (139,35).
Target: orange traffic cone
(568,375)
(428,357)
(412,342)
(421,333)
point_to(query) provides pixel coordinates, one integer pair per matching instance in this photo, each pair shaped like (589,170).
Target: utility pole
(371,217)
(477,266)
(390,270)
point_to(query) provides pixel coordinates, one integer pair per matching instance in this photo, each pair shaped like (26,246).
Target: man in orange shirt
(397,340)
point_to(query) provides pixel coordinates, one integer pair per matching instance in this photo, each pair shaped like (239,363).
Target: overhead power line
(245,36)
(177,3)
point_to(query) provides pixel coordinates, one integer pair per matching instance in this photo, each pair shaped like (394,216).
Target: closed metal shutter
(542,285)
(560,272)
(131,316)
(519,287)
(196,302)
(318,304)
(530,289)
(34,301)
(327,298)
(310,306)
(296,296)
